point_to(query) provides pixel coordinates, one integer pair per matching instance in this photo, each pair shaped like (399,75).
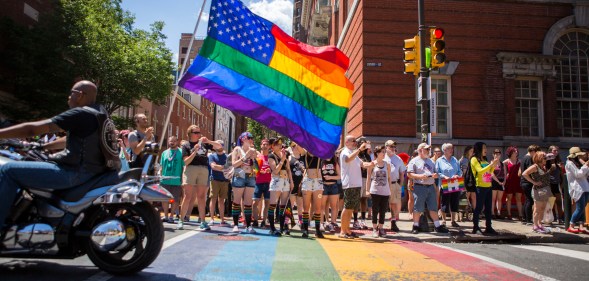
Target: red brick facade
(482,93)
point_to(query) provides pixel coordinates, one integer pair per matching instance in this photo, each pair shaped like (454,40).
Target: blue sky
(180,16)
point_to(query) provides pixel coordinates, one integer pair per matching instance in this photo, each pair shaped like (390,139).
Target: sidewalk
(509,231)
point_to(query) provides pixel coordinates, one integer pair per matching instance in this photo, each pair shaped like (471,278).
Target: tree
(259,131)
(87,39)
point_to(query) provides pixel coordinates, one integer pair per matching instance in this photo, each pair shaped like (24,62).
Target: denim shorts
(249,181)
(309,184)
(262,189)
(280,184)
(424,195)
(330,189)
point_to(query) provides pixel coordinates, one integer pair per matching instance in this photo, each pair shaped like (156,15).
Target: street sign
(433,124)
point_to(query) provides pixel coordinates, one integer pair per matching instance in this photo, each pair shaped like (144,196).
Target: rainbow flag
(250,66)
(452,185)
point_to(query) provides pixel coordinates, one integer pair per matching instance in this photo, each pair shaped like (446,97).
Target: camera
(151,148)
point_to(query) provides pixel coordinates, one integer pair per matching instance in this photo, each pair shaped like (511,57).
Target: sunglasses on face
(437,151)
(249,138)
(195,133)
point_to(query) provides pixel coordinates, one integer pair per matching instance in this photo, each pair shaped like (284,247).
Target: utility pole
(423,79)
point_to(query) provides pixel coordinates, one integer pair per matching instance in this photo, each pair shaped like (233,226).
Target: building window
(178,109)
(528,108)
(177,131)
(572,90)
(184,50)
(169,129)
(183,111)
(442,87)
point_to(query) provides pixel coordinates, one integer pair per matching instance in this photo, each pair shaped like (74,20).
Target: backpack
(109,144)
(469,179)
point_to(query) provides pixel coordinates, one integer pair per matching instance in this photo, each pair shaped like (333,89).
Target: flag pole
(181,74)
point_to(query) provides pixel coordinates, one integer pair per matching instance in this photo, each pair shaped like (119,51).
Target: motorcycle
(110,218)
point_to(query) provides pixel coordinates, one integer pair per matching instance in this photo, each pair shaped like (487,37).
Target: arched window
(572,90)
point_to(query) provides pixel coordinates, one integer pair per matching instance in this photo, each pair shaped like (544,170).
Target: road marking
(518,269)
(103,276)
(556,251)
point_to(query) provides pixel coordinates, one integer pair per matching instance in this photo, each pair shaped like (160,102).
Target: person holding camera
(196,175)
(142,137)
(422,171)
(483,172)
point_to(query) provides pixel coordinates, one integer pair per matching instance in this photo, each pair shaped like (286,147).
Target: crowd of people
(265,186)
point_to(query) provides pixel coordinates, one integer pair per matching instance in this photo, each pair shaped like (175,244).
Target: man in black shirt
(80,160)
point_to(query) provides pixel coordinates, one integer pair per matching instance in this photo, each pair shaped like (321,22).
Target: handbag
(452,185)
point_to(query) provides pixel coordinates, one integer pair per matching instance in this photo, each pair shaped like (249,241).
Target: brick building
(518,71)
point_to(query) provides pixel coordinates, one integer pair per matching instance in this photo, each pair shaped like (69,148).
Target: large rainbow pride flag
(250,66)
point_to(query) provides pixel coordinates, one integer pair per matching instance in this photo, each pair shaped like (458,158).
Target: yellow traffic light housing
(438,47)
(411,57)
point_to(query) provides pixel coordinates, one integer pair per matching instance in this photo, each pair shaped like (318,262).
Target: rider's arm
(29,129)
(58,144)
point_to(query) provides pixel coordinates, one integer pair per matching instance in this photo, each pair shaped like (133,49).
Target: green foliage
(259,131)
(123,123)
(86,39)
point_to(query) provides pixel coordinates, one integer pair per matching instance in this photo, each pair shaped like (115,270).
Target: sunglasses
(428,149)
(195,133)
(497,152)
(75,91)
(249,137)
(437,151)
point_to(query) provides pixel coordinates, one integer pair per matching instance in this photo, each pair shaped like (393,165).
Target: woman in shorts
(281,183)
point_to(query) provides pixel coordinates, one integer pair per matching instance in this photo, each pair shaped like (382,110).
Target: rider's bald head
(89,89)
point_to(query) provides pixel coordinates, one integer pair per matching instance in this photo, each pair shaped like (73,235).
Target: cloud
(277,11)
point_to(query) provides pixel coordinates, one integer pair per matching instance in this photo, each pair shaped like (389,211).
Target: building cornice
(523,64)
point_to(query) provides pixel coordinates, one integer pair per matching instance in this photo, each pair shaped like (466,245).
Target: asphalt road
(218,255)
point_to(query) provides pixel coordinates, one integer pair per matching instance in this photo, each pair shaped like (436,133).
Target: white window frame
(540,100)
(449,106)
(170,129)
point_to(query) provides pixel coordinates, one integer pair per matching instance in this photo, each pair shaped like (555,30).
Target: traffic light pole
(423,79)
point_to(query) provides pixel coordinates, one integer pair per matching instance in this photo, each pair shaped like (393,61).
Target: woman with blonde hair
(195,180)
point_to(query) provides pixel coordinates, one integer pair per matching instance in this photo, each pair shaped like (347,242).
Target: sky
(180,16)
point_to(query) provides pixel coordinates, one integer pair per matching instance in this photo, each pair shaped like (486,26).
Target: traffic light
(411,58)
(438,46)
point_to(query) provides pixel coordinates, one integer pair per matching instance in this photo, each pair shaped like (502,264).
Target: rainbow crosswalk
(220,256)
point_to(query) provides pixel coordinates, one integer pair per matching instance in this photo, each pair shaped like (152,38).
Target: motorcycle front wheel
(144,237)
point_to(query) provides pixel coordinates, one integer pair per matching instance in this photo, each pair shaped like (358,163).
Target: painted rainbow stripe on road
(294,258)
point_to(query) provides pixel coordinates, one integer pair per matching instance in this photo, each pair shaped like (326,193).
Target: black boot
(305,229)
(318,233)
(272,227)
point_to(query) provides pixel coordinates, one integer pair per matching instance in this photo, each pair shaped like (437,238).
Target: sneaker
(186,219)
(326,227)
(198,220)
(454,224)
(180,225)
(212,222)
(322,228)
(382,233)
(490,231)
(223,223)
(250,230)
(305,234)
(171,220)
(204,226)
(255,223)
(164,219)
(394,226)
(441,229)
(235,229)
(375,233)
(415,229)
(275,233)
(363,225)
(477,231)
(356,225)
(318,234)
(263,224)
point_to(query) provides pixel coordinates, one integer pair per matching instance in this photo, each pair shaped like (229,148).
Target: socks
(271,211)
(235,210)
(305,221)
(363,215)
(355,216)
(317,219)
(247,212)
(281,216)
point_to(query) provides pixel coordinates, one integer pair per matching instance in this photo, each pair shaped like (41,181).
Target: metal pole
(181,74)
(423,74)
(566,202)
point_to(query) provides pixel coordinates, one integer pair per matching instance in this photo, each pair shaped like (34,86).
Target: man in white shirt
(397,177)
(351,175)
